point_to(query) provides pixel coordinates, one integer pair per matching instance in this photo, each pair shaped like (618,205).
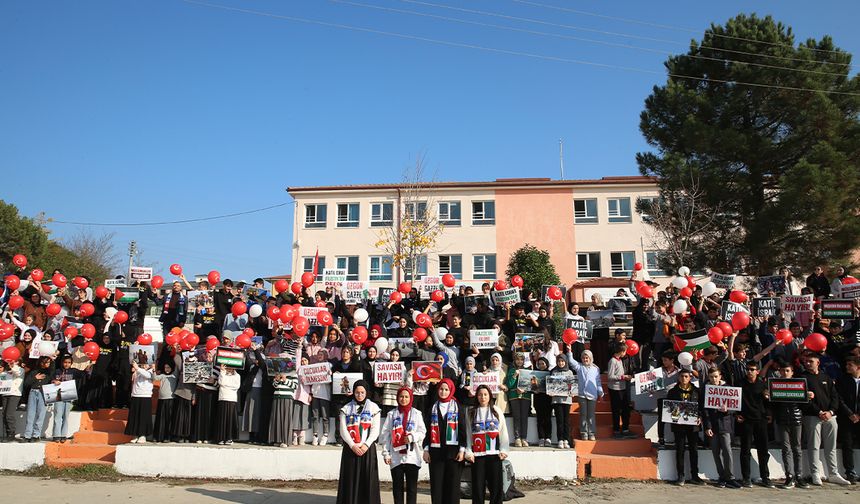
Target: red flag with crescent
(427,371)
(478,443)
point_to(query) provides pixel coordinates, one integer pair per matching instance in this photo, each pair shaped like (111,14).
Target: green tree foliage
(780,166)
(19,235)
(534,266)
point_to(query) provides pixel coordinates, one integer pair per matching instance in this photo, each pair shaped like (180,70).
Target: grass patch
(89,472)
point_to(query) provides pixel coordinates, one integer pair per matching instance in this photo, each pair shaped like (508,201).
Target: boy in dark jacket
(788,417)
(719,426)
(752,422)
(685,435)
(848,387)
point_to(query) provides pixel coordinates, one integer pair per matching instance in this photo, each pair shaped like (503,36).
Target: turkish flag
(478,445)
(353,433)
(434,434)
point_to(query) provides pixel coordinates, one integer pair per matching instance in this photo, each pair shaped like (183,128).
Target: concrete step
(606,417)
(86,451)
(604,431)
(105,438)
(109,414)
(616,467)
(618,447)
(103,425)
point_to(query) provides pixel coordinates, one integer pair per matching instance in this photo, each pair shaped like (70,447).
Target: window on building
(452,264)
(483,213)
(308,266)
(420,270)
(380,268)
(619,210)
(449,213)
(622,263)
(588,264)
(315,215)
(347,215)
(647,201)
(381,214)
(350,264)
(411,207)
(585,211)
(652,263)
(484,266)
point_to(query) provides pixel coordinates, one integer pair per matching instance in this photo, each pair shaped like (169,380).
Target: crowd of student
(441,423)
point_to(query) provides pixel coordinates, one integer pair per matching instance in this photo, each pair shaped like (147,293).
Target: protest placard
(427,371)
(562,385)
(723,397)
(334,277)
(113,283)
(142,354)
(837,309)
(315,373)
(583,328)
(544,292)
(471,303)
(849,291)
(532,381)
(383,295)
(729,308)
(230,357)
(525,342)
(194,371)
(723,281)
(429,284)
(649,381)
(341,383)
(140,273)
(600,318)
(310,313)
(775,284)
(490,379)
(511,295)
(355,292)
(388,372)
(797,304)
(5,383)
(275,365)
(64,391)
(36,348)
(765,306)
(680,412)
(484,338)
(787,390)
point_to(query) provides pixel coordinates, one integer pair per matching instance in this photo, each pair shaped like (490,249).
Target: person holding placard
(12,399)
(42,374)
(788,418)
(520,402)
(359,425)
(445,446)
(561,404)
(401,439)
(719,425)
(590,390)
(752,422)
(139,423)
(488,435)
(63,408)
(686,438)
(617,383)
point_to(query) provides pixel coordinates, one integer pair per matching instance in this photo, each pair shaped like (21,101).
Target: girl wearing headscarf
(520,401)
(500,369)
(359,427)
(561,404)
(402,436)
(390,390)
(543,408)
(590,390)
(488,447)
(446,445)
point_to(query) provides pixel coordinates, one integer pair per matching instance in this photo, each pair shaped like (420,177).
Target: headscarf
(360,383)
(450,384)
(470,359)
(497,354)
(404,410)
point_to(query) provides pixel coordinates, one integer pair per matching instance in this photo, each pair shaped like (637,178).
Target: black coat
(849,397)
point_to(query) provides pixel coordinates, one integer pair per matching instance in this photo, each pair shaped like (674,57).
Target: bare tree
(93,248)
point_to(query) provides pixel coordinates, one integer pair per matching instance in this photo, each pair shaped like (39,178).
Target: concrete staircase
(95,443)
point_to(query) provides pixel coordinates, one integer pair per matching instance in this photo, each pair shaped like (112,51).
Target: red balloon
(120,317)
(212,343)
(71,332)
(300,325)
(273,312)
(144,339)
(176,269)
(239,308)
(405,287)
(569,336)
(102,292)
(243,341)
(282,285)
(59,280)
(448,280)
(15,301)
(183,333)
(87,310)
(53,309)
(645,291)
(81,282)
(424,320)
(6,331)
(632,347)
(637,266)
(13,282)
(297,307)
(11,354)
(91,350)
(325,318)
(726,328)
(437,296)
(307,279)
(396,297)
(419,334)
(320,304)
(296,288)
(816,342)
(686,292)
(359,335)
(500,285)
(691,283)
(248,331)
(738,296)
(172,338)
(192,340)
(517,281)
(214,277)
(20,260)
(740,320)
(157,281)
(287,313)
(185,344)
(849,280)
(88,331)
(37,274)
(554,293)
(715,334)
(785,336)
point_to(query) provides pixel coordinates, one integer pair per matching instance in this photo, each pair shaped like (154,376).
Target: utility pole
(561,157)
(132,251)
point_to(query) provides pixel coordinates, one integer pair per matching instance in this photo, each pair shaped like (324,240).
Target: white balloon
(685,359)
(24,285)
(709,288)
(255,311)
(360,315)
(439,333)
(679,307)
(679,282)
(46,348)
(381,344)
(415,314)
(683,271)
(111,311)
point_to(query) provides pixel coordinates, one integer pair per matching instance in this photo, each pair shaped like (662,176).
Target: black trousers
(444,479)
(849,435)
(404,477)
(487,474)
(520,409)
(686,439)
(543,411)
(620,410)
(562,421)
(754,430)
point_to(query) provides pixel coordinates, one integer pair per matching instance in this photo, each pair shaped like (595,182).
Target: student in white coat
(401,439)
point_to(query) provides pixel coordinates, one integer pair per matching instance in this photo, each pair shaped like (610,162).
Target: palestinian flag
(230,357)
(692,341)
(126,294)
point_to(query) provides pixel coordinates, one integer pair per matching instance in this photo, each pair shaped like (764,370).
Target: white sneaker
(315,441)
(324,439)
(141,439)
(302,439)
(815,480)
(525,443)
(541,443)
(837,479)
(283,445)
(135,440)
(561,445)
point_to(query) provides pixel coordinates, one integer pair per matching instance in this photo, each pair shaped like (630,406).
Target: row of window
(618,210)
(620,264)
(380,267)
(382,214)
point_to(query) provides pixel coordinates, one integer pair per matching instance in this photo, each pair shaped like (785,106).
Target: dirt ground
(61,490)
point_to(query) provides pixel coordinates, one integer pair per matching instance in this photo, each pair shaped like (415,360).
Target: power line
(509,51)
(657,25)
(581,39)
(163,223)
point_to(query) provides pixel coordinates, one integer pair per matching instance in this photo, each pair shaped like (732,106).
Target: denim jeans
(61,418)
(36,409)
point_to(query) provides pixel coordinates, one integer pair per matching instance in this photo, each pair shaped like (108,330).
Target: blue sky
(172,110)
